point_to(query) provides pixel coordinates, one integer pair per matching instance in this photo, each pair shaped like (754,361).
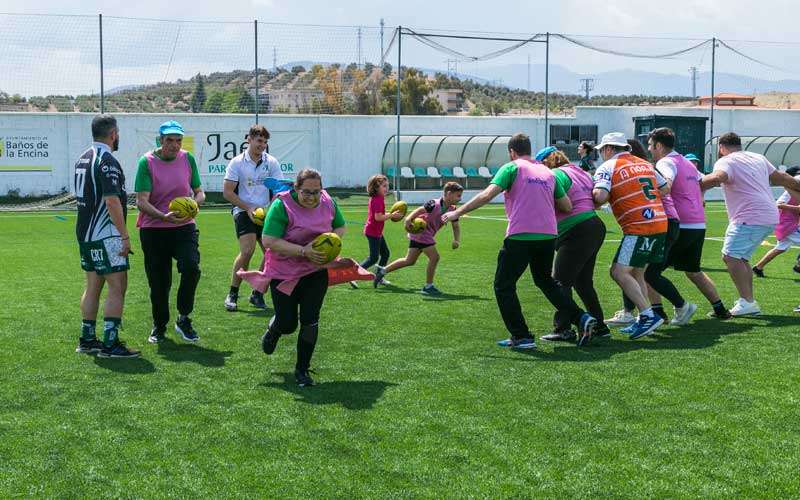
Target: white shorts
(786,243)
(741,240)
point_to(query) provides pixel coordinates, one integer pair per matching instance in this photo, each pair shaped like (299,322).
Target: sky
(148,51)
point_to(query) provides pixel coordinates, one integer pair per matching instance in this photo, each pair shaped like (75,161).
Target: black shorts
(686,253)
(417,244)
(245,226)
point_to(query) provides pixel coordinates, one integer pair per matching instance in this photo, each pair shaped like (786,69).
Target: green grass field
(414,400)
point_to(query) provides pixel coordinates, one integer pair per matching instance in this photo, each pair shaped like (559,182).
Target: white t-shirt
(666,167)
(251,177)
(748,196)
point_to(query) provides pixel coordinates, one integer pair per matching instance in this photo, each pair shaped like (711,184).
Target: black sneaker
(117,350)
(184,327)
(157,335)
(230,302)
(758,272)
(722,315)
(257,300)
(91,346)
(602,331)
(303,378)
(796,268)
(269,341)
(564,336)
(379,274)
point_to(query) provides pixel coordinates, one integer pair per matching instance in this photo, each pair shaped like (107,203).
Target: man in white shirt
(244,187)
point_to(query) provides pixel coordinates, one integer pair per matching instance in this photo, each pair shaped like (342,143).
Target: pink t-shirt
(373,227)
(748,197)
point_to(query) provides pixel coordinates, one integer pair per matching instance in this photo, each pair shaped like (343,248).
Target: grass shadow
(702,334)
(194,353)
(353,395)
(130,366)
(417,291)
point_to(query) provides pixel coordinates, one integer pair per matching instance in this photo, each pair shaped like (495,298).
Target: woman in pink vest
(580,236)
(294,219)
(164,174)
(529,188)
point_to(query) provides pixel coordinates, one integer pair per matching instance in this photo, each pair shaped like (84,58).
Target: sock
(428,284)
(234,290)
(256,293)
(110,330)
(659,309)
(88,329)
(719,307)
(648,312)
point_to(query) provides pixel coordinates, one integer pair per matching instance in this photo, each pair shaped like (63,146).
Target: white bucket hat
(613,139)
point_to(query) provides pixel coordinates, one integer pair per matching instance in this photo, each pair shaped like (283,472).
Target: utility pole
(693,73)
(587,85)
(382,60)
(452,67)
(358,62)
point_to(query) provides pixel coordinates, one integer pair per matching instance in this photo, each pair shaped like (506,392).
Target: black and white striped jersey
(97,175)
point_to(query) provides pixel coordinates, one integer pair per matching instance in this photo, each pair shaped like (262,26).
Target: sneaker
(257,300)
(91,346)
(744,308)
(796,268)
(683,314)
(796,309)
(157,335)
(117,350)
(629,329)
(379,274)
(622,317)
(758,272)
(588,324)
(431,290)
(602,331)
(646,325)
(184,327)
(354,285)
(303,378)
(563,336)
(720,316)
(269,342)
(385,282)
(230,302)
(519,343)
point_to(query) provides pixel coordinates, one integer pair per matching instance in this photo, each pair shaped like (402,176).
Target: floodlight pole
(102,83)
(713,77)
(397,106)
(255,33)
(546,89)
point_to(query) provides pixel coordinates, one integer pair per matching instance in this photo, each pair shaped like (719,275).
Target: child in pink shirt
(377,188)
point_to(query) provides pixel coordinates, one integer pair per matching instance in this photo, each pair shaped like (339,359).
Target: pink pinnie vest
(529,203)
(170,180)
(788,221)
(580,193)
(434,220)
(304,225)
(686,192)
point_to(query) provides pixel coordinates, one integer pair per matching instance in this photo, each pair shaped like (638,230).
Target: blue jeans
(377,248)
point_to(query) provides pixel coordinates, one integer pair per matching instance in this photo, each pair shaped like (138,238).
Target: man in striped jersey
(103,239)
(633,189)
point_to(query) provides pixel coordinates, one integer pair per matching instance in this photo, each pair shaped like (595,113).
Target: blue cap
(691,157)
(544,152)
(170,127)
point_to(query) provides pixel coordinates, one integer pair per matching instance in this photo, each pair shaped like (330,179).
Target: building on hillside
(451,100)
(727,99)
(291,100)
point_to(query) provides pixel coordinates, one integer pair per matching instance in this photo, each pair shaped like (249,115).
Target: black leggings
(159,247)
(377,247)
(576,255)
(513,259)
(653,276)
(304,303)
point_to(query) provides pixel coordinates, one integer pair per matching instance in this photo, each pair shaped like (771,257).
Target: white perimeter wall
(346,149)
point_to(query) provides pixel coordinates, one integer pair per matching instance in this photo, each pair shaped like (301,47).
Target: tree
(199,96)
(246,103)
(214,102)
(298,69)
(387,69)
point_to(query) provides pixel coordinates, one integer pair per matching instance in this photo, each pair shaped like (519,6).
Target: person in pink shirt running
(787,231)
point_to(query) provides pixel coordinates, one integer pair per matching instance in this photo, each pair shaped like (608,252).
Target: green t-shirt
(505,178)
(144,183)
(277,219)
(570,222)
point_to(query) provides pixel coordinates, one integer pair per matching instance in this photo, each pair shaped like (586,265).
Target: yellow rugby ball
(259,214)
(328,243)
(184,207)
(418,225)
(399,206)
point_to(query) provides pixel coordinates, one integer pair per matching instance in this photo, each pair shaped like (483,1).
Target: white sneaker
(797,309)
(684,314)
(230,302)
(622,317)
(354,285)
(744,308)
(385,282)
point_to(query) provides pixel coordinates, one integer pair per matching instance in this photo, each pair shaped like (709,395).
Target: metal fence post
(255,32)
(397,104)
(547,90)
(102,83)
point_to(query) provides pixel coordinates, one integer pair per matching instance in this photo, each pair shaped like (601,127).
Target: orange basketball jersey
(635,198)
